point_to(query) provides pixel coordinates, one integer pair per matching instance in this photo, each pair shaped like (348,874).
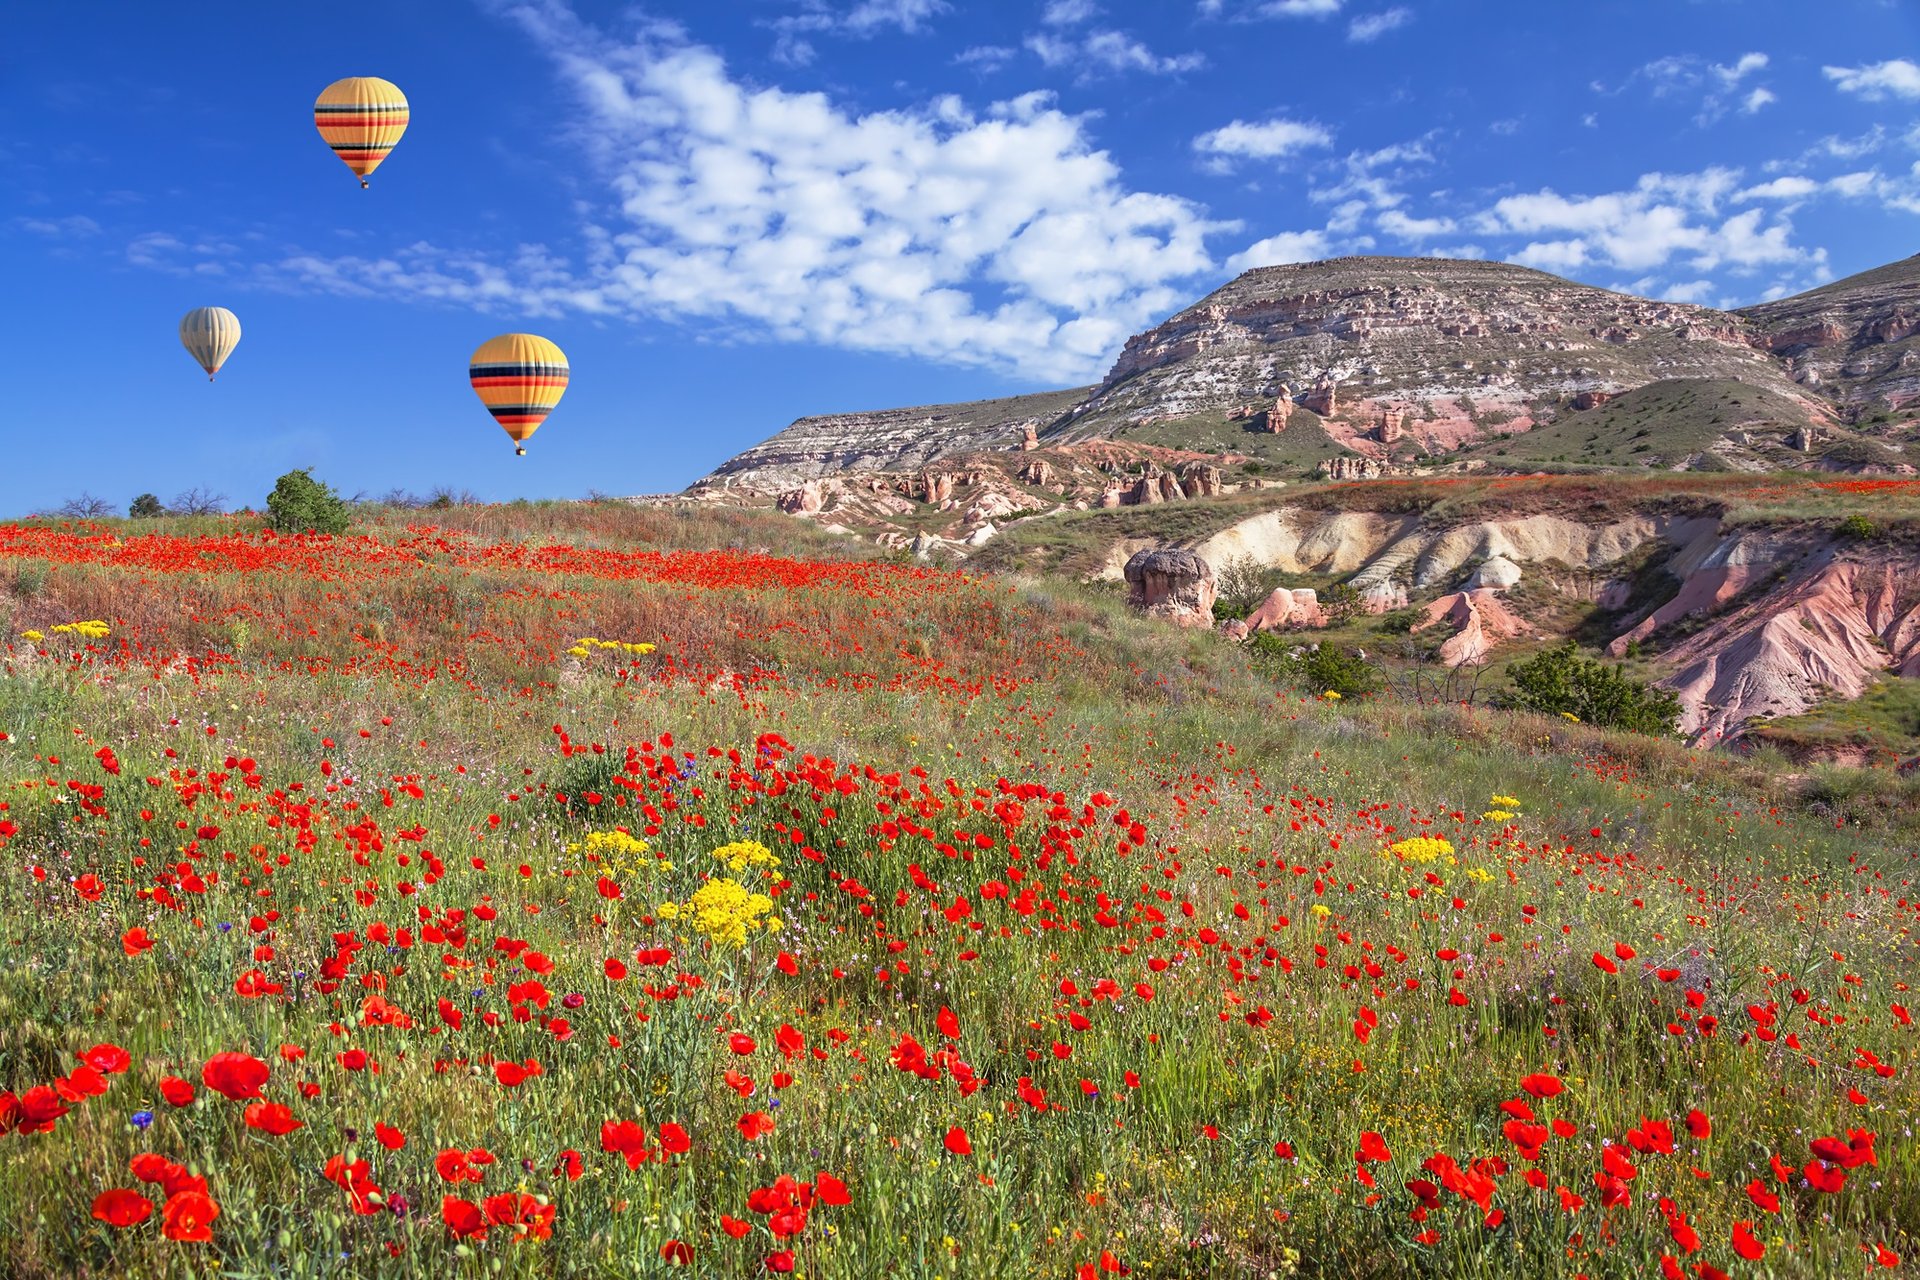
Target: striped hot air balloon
(361,118)
(210,334)
(520,377)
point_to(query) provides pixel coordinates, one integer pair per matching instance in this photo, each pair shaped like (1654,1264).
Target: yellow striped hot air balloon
(361,118)
(520,377)
(210,334)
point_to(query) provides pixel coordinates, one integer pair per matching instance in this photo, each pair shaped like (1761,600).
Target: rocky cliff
(1856,341)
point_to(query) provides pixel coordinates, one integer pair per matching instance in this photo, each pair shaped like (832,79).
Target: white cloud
(1747,65)
(1791,188)
(1715,82)
(1274,139)
(1897,78)
(1000,237)
(1664,218)
(1110,51)
(73,226)
(1696,291)
(987,57)
(864,19)
(1288,246)
(1067,13)
(1756,100)
(1298,8)
(1374,25)
(1400,226)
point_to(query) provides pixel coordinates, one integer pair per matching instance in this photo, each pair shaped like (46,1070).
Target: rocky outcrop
(1284,609)
(1836,621)
(1171,583)
(1857,340)
(1349,466)
(1478,621)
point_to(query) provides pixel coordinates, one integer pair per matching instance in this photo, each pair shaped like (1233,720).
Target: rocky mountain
(1856,341)
(889,439)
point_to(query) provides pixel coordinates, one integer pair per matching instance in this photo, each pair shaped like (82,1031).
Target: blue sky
(734,214)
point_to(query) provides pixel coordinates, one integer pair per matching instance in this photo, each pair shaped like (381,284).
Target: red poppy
(677,1252)
(388,1136)
(1373,1149)
(782,1261)
(626,1139)
(755,1124)
(831,1189)
(741,1043)
(957,1142)
(1541,1085)
(463,1218)
(1698,1125)
(188,1216)
(674,1139)
(734,1226)
(122,1208)
(235,1075)
(1604,964)
(272,1118)
(1744,1243)
(108,1059)
(135,941)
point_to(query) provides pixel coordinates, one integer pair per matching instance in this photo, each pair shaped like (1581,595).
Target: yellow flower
(93,630)
(1322,910)
(578,651)
(1479,875)
(1503,802)
(1498,815)
(34,636)
(1420,848)
(1331,695)
(621,853)
(725,911)
(1570,716)
(742,854)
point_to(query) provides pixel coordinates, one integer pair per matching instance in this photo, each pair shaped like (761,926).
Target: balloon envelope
(361,118)
(210,334)
(520,377)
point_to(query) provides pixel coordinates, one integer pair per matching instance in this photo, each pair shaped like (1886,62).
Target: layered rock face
(1440,350)
(1856,340)
(888,440)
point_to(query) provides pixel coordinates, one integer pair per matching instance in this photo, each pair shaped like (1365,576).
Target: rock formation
(1171,583)
(1479,621)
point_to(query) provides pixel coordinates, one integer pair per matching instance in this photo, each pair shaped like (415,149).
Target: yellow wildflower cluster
(725,911)
(1422,849)
(620,853)
(1331,695)
(742,854)
(587,645)
(90,630)
(35,636)
(1502,809)
(1479,875)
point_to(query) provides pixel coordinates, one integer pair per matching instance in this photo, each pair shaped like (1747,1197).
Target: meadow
(583,890)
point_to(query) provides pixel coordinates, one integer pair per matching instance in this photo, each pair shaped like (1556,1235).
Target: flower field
(562,898)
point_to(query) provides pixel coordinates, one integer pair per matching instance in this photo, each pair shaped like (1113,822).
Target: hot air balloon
(210,334)
(520,377)
(361,118)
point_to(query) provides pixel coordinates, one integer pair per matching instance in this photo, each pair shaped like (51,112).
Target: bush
(1561,682)
(1319,669)
(1858,528)
(1241,586)
(145,507)
(301,504)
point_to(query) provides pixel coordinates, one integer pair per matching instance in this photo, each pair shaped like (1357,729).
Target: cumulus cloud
(1897,78)
(1279,250)
(998,236)
(1370,27)
(72,227)
(1664,218)
(1068,13)
(1273,139)
(1298,8)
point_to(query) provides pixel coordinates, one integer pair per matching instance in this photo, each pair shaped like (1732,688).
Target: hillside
(1856,341)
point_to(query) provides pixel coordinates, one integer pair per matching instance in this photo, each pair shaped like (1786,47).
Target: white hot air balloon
(210,334)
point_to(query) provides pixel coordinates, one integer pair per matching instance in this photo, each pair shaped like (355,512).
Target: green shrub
(1319,669)
(1858,528)
(145,507)
(1562,682)
(301,504)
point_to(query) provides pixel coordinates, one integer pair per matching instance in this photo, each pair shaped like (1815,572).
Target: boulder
(1202,480)
(1173,584)
(1298,607)
(1496,573)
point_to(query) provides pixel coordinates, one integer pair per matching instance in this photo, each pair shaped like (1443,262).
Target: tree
(145,507)
(1561,682)
(1319,669)
(199,502)
(1241,586)
(85,507)
(301,504)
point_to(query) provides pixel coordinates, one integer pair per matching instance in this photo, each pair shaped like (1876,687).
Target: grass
(1154,895)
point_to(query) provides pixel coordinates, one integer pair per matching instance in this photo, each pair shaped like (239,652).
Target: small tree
(145,507)
(301,504)
(199,502)
(1241,586)
(1561,682)
(85,507)
(1318,669)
